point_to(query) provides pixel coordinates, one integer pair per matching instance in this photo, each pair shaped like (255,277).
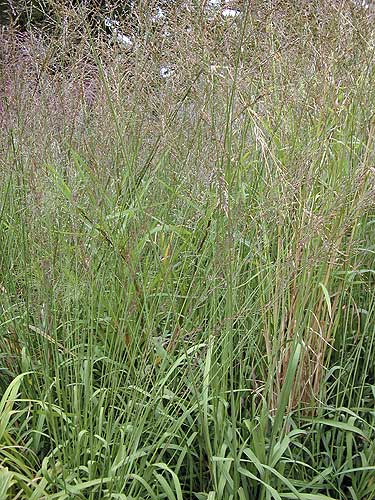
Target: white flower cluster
(166,72)
(124,40)
(226,10)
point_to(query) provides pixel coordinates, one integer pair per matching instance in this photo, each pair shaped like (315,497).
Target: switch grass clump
(187,259)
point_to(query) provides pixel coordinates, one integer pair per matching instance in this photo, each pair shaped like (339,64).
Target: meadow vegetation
(187,263)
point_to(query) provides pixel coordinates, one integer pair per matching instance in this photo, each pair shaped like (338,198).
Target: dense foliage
(187,262)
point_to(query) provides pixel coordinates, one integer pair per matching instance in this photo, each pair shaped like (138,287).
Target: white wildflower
(124,40)
(111,23)
(166,72)
(158,16)
(230,12)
